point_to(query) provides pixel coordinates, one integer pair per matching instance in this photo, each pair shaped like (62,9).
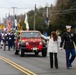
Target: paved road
(36,64)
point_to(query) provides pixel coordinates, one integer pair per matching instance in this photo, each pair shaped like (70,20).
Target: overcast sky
(6,5)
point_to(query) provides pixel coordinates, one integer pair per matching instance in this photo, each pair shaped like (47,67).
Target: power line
(16,8)
(64,11)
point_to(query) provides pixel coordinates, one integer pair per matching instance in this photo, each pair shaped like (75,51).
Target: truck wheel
(21,53)
(44,53)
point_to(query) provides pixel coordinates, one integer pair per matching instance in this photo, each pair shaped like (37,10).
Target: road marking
(22,69)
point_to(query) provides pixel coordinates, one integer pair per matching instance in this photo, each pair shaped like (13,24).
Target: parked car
(29,41)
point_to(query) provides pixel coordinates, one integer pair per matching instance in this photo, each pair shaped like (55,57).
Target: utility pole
(47,11)
(13,17)
(47,15)
(34,16)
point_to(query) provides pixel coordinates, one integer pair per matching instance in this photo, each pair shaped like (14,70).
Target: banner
(26,22)
(16,24)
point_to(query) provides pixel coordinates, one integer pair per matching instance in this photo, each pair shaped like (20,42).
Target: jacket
(53,46)
(67,41)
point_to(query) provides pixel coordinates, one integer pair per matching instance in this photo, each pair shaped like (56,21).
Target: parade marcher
(0,40)
(13,40)
(4,38)
(2,34)
(67,40)
(53,47)
(9,41)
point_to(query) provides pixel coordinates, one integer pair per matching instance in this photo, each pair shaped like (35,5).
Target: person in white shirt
(53,47)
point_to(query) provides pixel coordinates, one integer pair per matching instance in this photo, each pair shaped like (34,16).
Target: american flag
(8,24)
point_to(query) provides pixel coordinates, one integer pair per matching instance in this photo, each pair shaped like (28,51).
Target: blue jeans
(70,59)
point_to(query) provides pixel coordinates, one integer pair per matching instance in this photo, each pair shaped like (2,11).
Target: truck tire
(21,53)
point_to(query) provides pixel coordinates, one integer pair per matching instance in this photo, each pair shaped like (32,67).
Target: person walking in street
(13,40)
(9,41)
(67,40)
(0,40)
(53,47)
(4,38)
